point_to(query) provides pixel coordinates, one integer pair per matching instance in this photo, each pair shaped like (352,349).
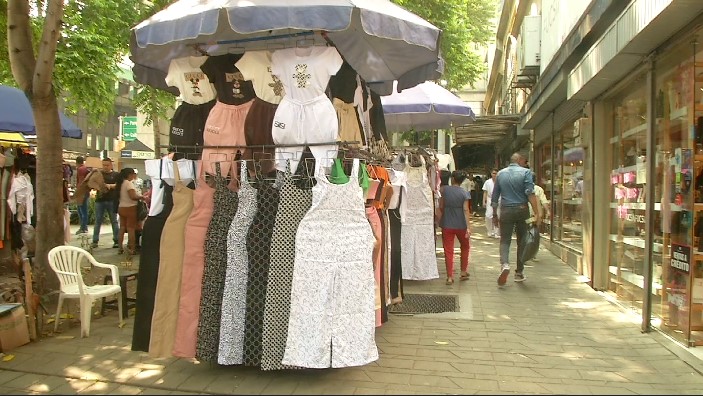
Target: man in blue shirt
(514,189)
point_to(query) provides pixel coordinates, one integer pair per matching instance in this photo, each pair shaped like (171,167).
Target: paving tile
(366,391)
(522,387)
(427,365)
(470,384)
(253,385)
(390,378)
(101,388)
(126,390)
(72,387)
(436,380)
(172,379)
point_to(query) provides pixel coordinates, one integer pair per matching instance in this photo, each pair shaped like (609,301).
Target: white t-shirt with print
(305,72)
(256,66)
(185,74)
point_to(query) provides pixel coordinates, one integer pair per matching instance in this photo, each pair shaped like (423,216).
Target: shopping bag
(531,243)
(142,210)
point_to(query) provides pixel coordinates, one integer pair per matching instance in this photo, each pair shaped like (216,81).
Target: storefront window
(543,156)
(626,241)
(568,188)
(678,268)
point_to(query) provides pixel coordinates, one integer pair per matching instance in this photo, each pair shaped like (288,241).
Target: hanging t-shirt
(343,85)
(231,86)
(305,72)
(256,67)
(305,115)
(186,170)
(186,75)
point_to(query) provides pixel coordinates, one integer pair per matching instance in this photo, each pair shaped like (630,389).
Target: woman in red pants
(453,217)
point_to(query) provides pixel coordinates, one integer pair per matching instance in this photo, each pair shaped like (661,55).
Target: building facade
(613,111)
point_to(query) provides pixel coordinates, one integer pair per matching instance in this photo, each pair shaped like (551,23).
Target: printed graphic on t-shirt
(212,129)
(194,78)
(236,79)
(301,76)
(276,85)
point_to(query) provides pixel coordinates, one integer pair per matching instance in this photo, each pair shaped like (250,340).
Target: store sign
(129,128)
(136,154)
(681,257)
(71,155)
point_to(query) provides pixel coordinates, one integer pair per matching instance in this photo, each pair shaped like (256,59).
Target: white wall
(558,18)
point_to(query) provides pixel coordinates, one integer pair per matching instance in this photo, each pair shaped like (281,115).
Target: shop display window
(543,157)
(676,239)
(568,191)
(626,113)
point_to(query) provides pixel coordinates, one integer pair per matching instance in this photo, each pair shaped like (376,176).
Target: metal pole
(649,204)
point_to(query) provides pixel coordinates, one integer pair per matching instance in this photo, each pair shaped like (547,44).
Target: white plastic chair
(66,261)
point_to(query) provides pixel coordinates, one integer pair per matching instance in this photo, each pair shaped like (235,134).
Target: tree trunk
(49,193)
(34,75)
(157,135)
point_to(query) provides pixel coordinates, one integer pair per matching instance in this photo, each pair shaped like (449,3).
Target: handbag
(142,210)
(531,244)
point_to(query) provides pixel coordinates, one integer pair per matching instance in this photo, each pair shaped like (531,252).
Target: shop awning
(8,139)
(487,129)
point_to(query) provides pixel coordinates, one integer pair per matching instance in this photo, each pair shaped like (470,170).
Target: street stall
(265,242)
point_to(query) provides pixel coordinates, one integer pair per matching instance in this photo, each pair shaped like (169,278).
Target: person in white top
(491,228)
(543,205)
(127,208)
(542,199)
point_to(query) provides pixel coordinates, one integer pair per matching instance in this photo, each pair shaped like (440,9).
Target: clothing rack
(255,146)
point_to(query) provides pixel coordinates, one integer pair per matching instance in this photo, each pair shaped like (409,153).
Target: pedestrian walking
(491,229)
(106,202)
(514,189)
(82,206)
(468,185)
(453,216)
(477,194)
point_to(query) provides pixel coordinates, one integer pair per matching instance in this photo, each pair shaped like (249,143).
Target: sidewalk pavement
(552,334)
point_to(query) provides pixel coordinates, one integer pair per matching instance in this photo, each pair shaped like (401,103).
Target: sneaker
(504,272)
(115,245)
(94,245)
(81,232)
(520,277)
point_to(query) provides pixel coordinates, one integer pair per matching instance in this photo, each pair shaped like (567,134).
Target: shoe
(81,232)
(120,251)
(115,245)
(450,281)
(464,276)
(520,277)
(94,245)
(504,272)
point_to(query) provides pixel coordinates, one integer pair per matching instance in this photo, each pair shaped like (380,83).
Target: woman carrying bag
(127,208)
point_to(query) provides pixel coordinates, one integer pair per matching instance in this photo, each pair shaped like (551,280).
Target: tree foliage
(94,40)
(464,24)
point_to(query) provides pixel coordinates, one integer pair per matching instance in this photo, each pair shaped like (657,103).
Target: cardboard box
(94,162)
(14,331)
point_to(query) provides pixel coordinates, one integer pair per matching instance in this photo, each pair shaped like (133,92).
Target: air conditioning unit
(530,33)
